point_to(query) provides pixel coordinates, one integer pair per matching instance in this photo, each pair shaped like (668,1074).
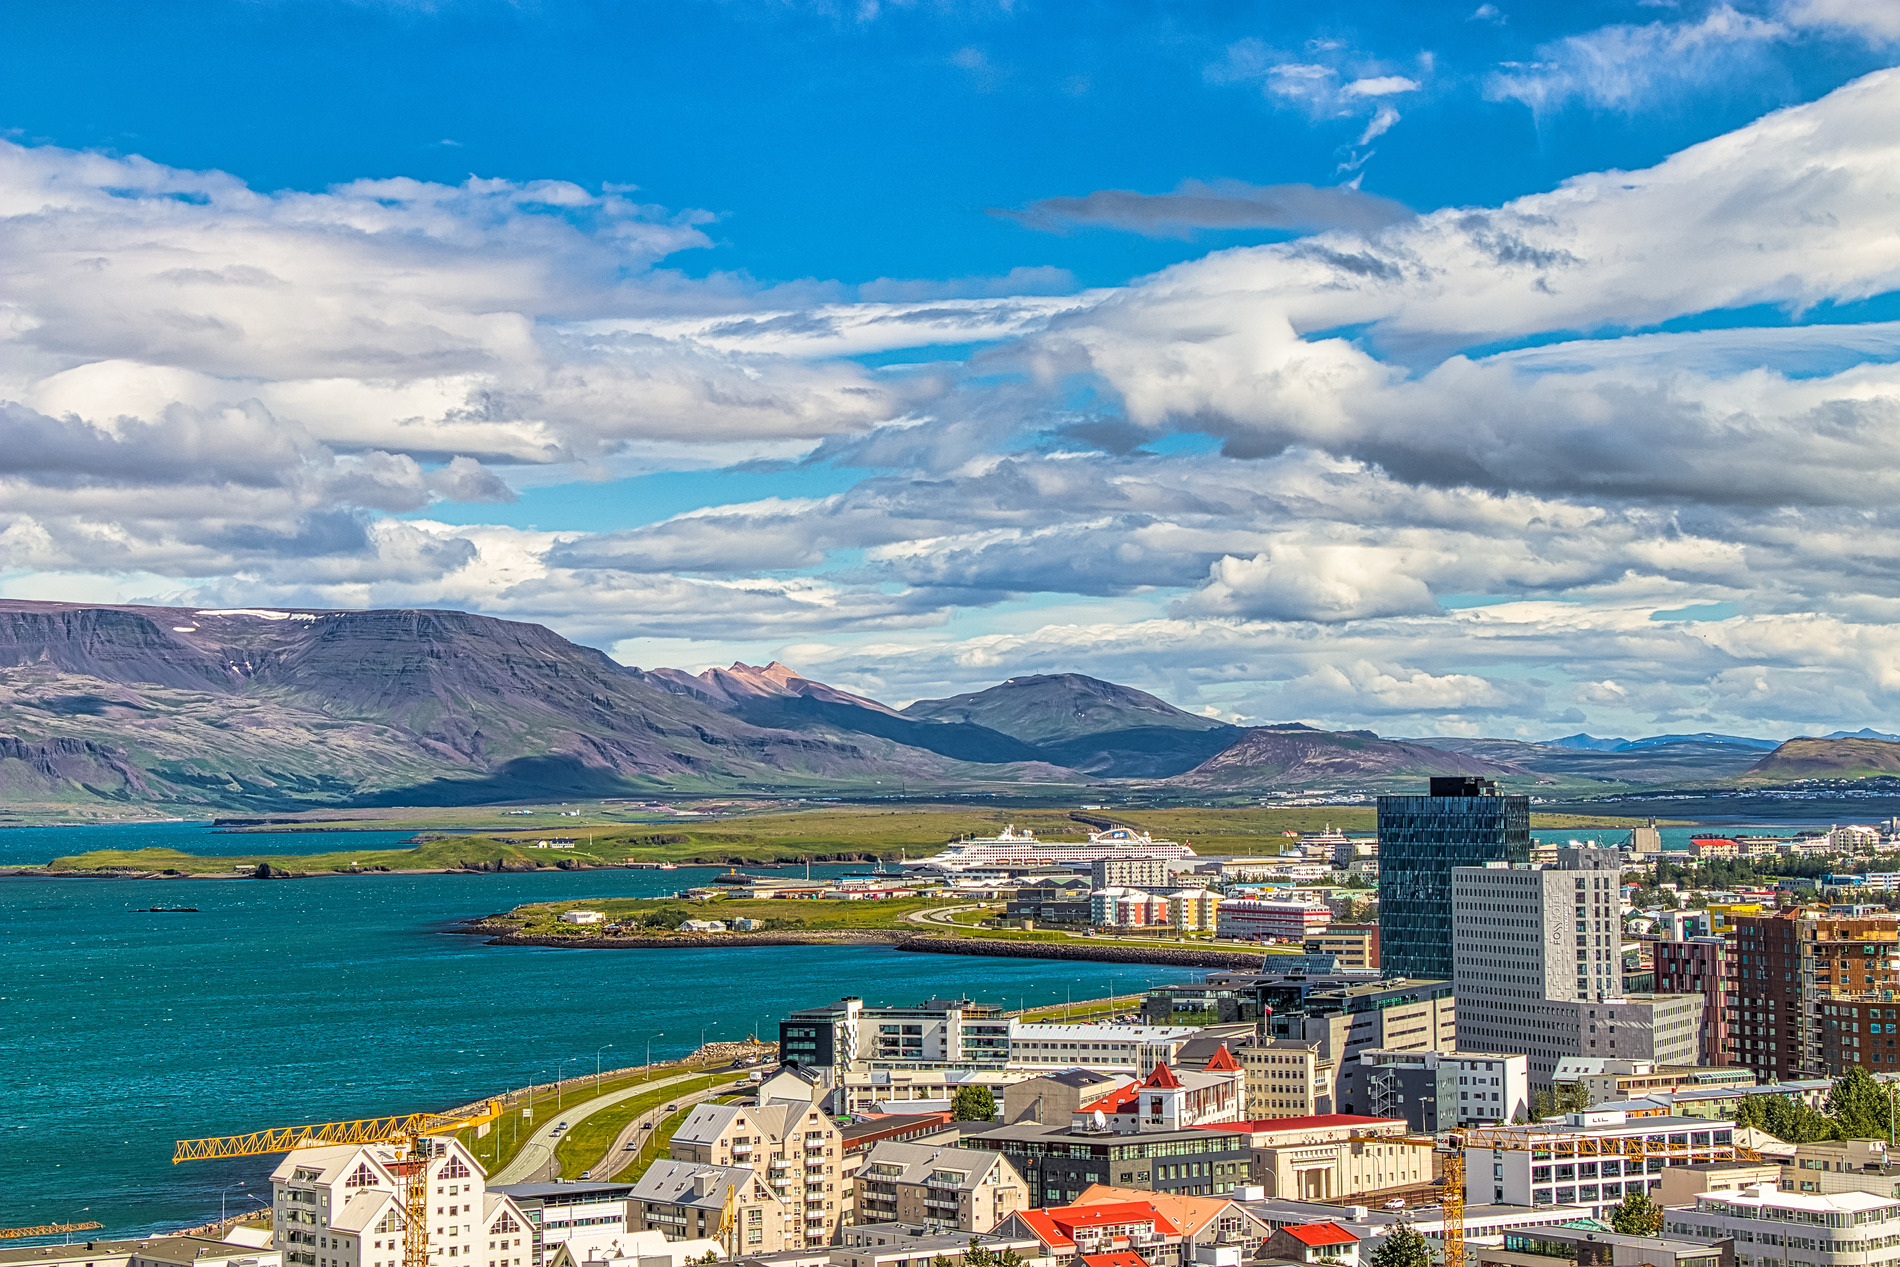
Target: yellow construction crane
(1452,1207)
(405,1130)
(46,1229)
(727,1216)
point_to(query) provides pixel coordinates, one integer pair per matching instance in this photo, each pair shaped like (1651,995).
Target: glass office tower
(1463,823)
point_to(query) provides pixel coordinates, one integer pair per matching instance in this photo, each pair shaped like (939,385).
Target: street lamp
(658,1033)
(221,1211)
(560,1079)
(603,1047)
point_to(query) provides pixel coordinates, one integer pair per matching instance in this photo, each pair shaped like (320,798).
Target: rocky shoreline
(499,934)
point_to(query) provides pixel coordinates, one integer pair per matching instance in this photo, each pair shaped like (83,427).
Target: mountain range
(267,709)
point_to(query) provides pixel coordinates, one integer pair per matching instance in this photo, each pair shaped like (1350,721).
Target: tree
(1859,1105)
(1403,1247)
(1637,1215)
(1793,1122)
(1750,1111)
(972,1104)
(977,1256)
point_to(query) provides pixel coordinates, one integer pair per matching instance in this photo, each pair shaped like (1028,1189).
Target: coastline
(896,939)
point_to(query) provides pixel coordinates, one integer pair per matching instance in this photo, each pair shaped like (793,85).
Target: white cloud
(1626,67)
(1876,20)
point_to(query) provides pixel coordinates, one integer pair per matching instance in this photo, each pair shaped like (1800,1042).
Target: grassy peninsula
(771,835)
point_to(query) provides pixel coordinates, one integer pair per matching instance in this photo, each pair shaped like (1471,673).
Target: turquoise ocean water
(290,1001)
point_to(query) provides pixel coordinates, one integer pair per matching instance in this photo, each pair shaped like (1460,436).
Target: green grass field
(841,833)
(585,1144)
(500,1145)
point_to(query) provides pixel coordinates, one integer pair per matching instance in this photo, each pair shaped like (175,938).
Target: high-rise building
(1815,994)
(1463,823)
(1699,965)
(1538,968)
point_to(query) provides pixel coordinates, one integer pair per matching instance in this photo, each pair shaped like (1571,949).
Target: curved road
(535,1161)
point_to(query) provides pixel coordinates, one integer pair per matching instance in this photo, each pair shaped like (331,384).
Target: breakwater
(898,939)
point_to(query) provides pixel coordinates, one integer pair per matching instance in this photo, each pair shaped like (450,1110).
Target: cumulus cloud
(1224,204)
(1401,526)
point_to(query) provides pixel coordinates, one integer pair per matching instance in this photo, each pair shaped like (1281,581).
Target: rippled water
(289,1001)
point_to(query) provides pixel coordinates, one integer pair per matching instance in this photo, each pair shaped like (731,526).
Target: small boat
(172,910)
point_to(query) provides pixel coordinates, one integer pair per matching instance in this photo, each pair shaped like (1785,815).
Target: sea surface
(283,1002)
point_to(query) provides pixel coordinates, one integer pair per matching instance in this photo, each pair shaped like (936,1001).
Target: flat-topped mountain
(1828,759)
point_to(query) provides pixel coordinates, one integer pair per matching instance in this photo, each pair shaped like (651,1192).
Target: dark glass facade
(1463,823)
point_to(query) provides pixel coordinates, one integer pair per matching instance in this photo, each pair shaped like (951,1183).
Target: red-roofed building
(1313,1243)
(1223,1061)
(1087,1231)
(1170,1101)
(1121,1258)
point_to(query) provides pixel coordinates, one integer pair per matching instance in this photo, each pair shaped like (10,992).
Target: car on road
(1393,1204)
(587,1174)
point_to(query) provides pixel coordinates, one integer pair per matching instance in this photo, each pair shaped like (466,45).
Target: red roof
(1163,1077)
(1057,1225)
(1321,1234)
(1299,1123)
(1121,1258)
(1222,1061)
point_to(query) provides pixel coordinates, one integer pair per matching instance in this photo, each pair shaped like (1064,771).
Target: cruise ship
(1012,848)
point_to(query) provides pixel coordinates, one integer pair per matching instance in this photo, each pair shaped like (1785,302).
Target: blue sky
(1294,361)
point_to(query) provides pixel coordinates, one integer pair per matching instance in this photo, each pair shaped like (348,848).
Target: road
(535,1161)
(636,1131)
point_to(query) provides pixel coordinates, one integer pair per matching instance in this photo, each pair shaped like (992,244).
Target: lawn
(510,1133)
(586,1142)
(654,915)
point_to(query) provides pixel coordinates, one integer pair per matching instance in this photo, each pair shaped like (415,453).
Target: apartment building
(1437,1091)
(1286,1077)
(969,1189)
(1354,947)
(1699,965)
(1169,1101)
(949,1032)
(797,1150)
(1207,1225)
(1779,1229)
(337,1206)
(1194,910)
(1059,1163)
(686,1201)
(1262,919)
(584,1213)
(1346,1017)
(1134,1228)
(1815,993)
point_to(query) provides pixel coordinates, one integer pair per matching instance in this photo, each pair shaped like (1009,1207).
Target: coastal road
(629,1140)
(535,1161)
(941,915)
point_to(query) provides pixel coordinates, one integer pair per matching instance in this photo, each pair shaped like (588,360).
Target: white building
(1782,1229)
(1592,1159)
(1538,968)
(1256,919)
(1039,1046)
(337,1206)
(583,917)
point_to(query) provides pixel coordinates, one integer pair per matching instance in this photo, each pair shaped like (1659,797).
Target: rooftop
(175,1249)
(1318,1121)
(1321,1234)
